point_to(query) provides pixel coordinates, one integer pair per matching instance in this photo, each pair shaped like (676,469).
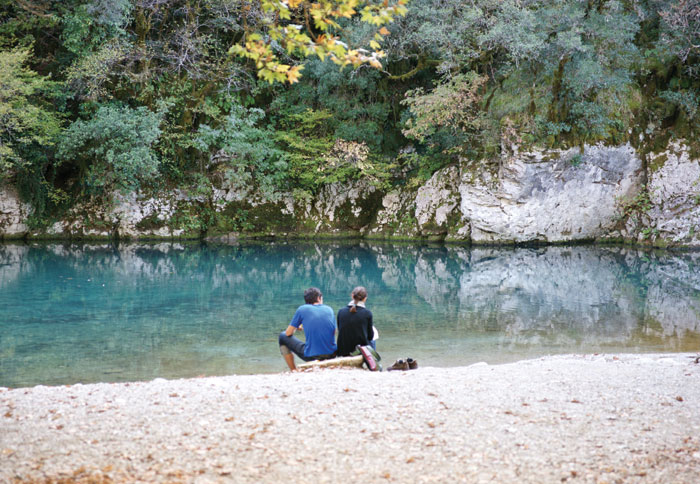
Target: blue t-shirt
(319,328)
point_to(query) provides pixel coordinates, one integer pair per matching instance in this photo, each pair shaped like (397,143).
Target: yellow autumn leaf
(384,31)
(294,74)
(374,45)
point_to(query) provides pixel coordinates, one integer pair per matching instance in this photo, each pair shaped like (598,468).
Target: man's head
(312,295)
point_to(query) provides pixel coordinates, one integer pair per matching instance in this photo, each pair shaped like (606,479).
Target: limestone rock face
(340,206)
(430,211)
(539,196)
(554,197)
(133,215)
(395,215)
(674,191)
(437,203)
(13,213)
(137,217)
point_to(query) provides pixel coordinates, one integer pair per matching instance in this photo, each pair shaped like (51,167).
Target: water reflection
(104,313)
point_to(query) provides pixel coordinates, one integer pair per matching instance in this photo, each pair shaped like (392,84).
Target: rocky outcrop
(673,217)
(396,215)
(341,207)
(133,217)
(130,216)
(556,196)
(13,213)
(552,196)
(437,207)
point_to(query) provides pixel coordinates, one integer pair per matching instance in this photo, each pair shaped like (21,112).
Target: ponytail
(358,294)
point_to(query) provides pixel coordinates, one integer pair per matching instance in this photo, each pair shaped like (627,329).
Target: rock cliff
(554,196)
(13,214)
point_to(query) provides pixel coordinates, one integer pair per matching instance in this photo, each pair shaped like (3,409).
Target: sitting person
(355,324)
(319,329)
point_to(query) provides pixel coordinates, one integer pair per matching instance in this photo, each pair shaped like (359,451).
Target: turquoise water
(103,313)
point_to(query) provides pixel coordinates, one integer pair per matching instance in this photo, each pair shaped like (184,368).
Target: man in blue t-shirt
(318,322)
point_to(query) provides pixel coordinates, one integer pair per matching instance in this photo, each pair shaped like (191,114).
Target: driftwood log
(341,362)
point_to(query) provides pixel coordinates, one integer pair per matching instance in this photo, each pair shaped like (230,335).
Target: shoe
(398,365)
(412,364)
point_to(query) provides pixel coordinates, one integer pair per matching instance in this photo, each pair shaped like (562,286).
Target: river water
(105,313)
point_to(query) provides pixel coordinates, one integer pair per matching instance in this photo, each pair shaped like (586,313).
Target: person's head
(359,294)
(313,295)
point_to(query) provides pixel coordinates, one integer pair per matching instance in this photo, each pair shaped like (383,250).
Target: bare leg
(289,358)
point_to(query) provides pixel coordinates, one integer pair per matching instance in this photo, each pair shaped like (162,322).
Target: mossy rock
(152,222)
(263,219)
(368,206)
(657,162)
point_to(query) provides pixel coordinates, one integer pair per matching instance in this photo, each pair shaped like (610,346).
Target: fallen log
(341,362)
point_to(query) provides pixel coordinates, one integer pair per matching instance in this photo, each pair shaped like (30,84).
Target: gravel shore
(578,419)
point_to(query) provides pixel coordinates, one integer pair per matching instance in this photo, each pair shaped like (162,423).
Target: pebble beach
(574,418)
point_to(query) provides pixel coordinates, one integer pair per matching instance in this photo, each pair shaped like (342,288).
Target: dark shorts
(295,345)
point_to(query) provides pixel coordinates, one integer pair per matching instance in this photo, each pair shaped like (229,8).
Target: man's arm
(295,323)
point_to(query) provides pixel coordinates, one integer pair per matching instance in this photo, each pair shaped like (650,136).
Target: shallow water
(101,313)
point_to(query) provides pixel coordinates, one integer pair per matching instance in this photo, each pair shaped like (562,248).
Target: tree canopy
(290,95)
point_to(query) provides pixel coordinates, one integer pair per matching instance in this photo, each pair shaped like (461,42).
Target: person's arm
(370,326)
(294,324)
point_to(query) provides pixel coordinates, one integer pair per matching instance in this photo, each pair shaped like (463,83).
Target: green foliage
(114,148)
(421,166)
(635,206)
(89,75)
(567,63)
(453,106)
(581,66)
(28,127)
(88,26)
(457,79)
(317,158)
(360,112)
(435,32)
(681,32)
(306,137)
(245,151)
(687,100)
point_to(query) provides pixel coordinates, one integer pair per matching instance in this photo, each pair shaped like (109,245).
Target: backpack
(370,356)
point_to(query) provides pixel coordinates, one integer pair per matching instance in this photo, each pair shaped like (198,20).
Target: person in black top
(354,323)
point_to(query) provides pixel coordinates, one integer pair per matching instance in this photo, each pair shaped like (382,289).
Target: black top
(353,329)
